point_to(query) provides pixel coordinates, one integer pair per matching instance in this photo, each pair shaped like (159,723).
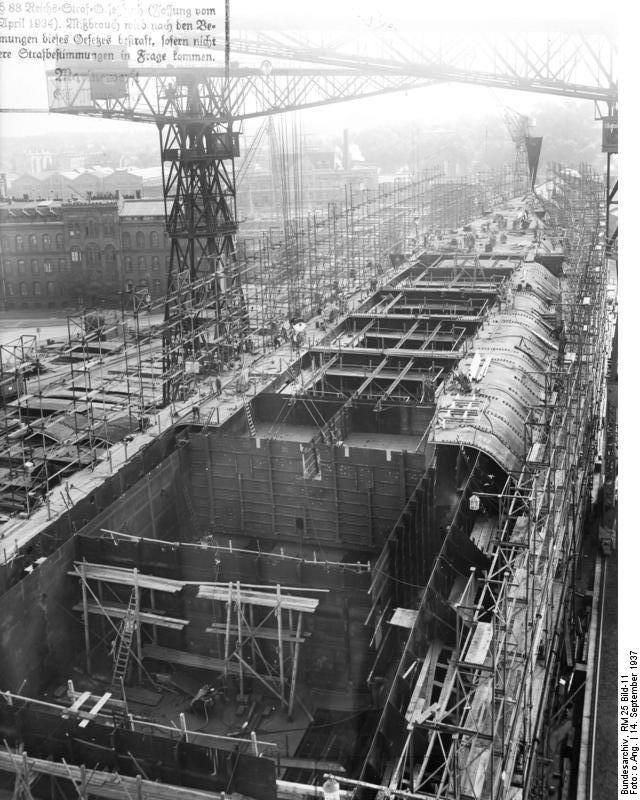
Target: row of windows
(32,242)
(36,288)
(154,240)
(91,232)
(91,228)
(50,288)
(47,266)
(94,256)
(142,263)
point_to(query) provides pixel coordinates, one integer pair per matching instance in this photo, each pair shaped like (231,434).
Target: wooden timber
(256,598)
(125,577)
(257,632)
(184,659)
(120,612)
(110,785)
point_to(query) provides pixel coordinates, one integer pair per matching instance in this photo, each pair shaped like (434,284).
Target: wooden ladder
(121,661)
(249,413)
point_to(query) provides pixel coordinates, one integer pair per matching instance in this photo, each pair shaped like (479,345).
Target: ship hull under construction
(360,577)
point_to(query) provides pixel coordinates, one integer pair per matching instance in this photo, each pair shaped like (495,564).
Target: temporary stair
(249,413)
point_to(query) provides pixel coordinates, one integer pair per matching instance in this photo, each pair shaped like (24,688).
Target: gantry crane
(518,126)
(196,111)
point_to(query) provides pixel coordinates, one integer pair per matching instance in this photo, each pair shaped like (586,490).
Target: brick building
(145,245)
(35,257)
(56,255)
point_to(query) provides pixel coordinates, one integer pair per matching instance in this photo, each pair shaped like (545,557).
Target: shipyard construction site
(330,519)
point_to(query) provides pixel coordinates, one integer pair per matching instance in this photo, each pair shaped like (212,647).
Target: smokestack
(346,158)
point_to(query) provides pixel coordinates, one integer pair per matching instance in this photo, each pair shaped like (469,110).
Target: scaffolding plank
(113,702)
(484,530)
(424,683)
(257,598)
(479,644)
(310,764)
(120,612)
(109,785)
(171,656)
(403,617)
(125,577)
(93,712)
(80,701)
(258,633)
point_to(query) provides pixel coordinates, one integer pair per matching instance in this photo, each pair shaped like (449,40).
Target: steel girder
(195,110)
(570,64)
(164,95)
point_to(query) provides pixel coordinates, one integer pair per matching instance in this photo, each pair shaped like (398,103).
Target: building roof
(100,172)
(147,173)
(142,208)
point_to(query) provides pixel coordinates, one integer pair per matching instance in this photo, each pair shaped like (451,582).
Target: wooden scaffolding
(258,629)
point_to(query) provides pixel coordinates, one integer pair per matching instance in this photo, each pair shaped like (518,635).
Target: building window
(48,267)
(11,290)
(37,289)
(142,263)
(5,245)
(35,266)
(8,267)
(108,228)
(153,239)
(155,264)
(139,240)
(74,229)
(110,255)
(126,240)
(92,229)
(59,241)
(157,286)
(62,264)
(46,241)
(92,255)
(128,264)
(19,243)
(76,255)
(33,242)
(22,266)
(167,261)
(23,289)
(51,288)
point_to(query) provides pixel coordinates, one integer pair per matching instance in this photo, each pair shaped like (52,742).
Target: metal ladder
(249,413)
(121,661)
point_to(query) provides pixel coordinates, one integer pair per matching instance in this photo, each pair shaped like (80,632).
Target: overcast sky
(22,84)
